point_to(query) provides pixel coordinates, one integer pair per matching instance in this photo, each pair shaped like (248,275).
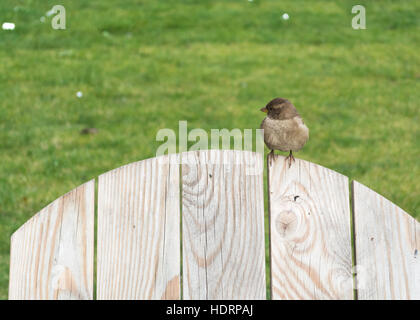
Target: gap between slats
(353,240)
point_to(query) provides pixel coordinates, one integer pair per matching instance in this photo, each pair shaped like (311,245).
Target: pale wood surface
(223,225)
(387,248)
(52,253)
(223,235)
(310,241)
(138,231)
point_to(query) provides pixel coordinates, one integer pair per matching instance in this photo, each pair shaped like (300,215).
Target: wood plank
(387,247)
(138,231)
(52,253)
(310,241)
(223,225)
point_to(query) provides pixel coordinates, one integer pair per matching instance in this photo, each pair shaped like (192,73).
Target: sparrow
(284,128)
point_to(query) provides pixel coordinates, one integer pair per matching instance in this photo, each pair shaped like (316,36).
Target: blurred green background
(145,65)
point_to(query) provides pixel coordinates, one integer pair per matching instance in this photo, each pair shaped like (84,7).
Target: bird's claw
(270,158)
(290,157)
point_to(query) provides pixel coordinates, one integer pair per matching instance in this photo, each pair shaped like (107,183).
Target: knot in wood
(286,223)
(185,170)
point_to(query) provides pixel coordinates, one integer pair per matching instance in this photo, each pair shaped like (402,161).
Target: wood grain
(52,253)
(387,247)
(223,225)
(310,241)
(138,231)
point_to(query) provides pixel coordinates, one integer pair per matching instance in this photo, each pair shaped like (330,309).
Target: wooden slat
(223,225)
(309,232)
(387,247)
(138,231)
(52,253)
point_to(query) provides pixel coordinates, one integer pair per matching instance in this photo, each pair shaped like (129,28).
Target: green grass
(145,65)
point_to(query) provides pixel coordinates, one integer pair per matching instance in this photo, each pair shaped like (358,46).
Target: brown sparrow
(284,128)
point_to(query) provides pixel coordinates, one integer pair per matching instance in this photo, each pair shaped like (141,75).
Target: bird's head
(280,109)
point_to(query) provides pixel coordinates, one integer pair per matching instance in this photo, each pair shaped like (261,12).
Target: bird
(284,128)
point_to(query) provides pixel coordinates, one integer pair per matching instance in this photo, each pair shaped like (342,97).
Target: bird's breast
(285,135)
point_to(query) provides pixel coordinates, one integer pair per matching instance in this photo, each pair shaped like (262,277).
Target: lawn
(145,65)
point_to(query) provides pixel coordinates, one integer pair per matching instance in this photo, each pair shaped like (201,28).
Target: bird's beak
(264,110)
